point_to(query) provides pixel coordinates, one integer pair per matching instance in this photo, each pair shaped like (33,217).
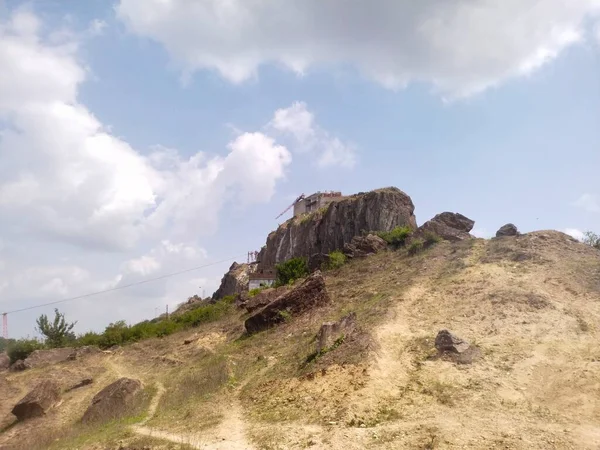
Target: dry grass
(531,305)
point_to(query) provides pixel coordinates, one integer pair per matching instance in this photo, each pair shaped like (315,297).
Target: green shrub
(336,260)
(415,246)
(4,343)
(592,239)
(253,292)
(89,338)
(397,237)
(291,270)
(22,348)
(431,239)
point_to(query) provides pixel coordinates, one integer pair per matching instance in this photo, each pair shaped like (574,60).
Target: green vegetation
(592,239)
(431,238)
(291,270)
(336,260)
(253,292)
(22,348)
(120,333)
(58,333)
(415,246)
(4,343)
(397,237)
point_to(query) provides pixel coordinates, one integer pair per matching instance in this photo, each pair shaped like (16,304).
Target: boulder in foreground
(112,401)
(35,404)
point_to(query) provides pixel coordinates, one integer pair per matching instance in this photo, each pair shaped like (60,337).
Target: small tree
(59,332)
(592,239)
(291,270)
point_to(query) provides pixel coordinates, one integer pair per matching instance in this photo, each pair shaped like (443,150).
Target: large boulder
(235,281)
(362,246)
(41,358)
(19,366)
(35,404)
(332,332)
(4,361)
(263,298)
(113,401)
(310,294)
(507,230)
(80,352)
(330,229)
(448,226)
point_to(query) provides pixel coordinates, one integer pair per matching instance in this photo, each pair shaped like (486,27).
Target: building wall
(315,202)
(255,284)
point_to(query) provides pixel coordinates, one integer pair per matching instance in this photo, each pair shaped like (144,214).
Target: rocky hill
(465,344)
(336,225)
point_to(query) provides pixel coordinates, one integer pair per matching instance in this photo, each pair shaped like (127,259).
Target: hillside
(530,304)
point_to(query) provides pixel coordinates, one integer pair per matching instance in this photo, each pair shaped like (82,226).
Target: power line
(125,286)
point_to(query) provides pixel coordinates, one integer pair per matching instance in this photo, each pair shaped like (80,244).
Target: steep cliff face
(235,280)
(328,230)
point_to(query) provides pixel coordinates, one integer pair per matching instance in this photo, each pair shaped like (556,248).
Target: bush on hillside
(415,246)
(592,239)
(431,238)
(336,260)
(397,237)
(22,348)
(58,333)
(291,270)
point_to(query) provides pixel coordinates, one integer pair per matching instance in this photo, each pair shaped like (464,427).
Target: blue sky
(137,141)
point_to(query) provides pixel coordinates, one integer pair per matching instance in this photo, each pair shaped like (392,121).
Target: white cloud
(461,47)
(97,27)
(574,232)
(65,179)
(298,122)
(588,202)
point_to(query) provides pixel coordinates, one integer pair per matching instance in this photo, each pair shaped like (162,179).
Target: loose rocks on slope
(35,404)
(310,294)
(112,401)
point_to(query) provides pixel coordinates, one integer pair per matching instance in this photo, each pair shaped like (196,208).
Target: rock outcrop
(325,231)
(362,246)
(41,358)
(4,361)
(235,281)
(310,294)
(450,346)
(507,230)
(331,332)
(35,404)
(112,401)
(449,226)
(263,298)
(19,366)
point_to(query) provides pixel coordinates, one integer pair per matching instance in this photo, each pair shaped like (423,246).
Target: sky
(144,137)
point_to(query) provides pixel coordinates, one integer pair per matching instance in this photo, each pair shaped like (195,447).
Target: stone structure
(261,278)
(314,202)
(235,281)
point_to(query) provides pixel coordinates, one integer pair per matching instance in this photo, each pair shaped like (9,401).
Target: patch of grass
(431,238)
(416,246)
(397,237)
(285,315)
(444,393)
(336,260)
(254,292)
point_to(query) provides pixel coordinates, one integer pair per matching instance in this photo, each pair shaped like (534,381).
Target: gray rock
(35,404)
(379,210)
(362,246)
(310,294)
(19,366)
(330,332)
(4,361)
(507,230)
(445,341)
(235,281)
(113,401)
(448,226)
(82,383)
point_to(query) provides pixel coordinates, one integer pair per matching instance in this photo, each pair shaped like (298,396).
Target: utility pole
(5,325)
